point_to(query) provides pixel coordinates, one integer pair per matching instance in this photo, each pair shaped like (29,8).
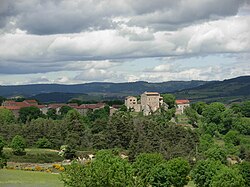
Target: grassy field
(18,178)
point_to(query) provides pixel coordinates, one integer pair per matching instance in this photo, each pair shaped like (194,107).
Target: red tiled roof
(11,107)
(91,106)
(183,101)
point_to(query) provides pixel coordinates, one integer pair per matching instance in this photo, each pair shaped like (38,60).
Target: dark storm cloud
(63,16)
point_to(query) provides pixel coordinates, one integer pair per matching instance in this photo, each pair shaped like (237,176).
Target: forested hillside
(231,90)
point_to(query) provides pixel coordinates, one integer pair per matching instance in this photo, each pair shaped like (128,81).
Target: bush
(43,143)
(18,145)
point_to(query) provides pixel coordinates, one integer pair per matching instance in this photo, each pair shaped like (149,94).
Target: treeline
(98,131)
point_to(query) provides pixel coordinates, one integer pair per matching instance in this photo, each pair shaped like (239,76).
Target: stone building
(132,103)
(150,102)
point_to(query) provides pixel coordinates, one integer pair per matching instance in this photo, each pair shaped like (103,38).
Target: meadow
(18,178)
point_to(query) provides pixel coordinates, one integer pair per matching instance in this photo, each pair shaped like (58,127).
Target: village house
(150,102)
(181,105)
(131,103)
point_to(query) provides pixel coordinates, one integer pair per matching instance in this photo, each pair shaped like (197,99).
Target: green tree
(179,169)
(216,153)
(26,114)
(227,177)
(199,107)
(2,99)
(206,142)
(244,169)
(64,110)
(106,169)
(232,137)
(43,143)
(192,116)
(3,160)
(144,164)
(245,109)
(18,145)
(213,112)
(6,116)
(169,99)
(51,114)
(204,171)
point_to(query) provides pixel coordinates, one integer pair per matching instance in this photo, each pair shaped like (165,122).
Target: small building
(150,102)
(132,103)
(181,105)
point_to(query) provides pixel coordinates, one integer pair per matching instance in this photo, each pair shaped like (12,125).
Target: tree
(245,109)
(6,116)
(232,137)
(26,114)
(2,99)
(206,142)
(51,114)
(18,145)
(216,153)
(204,171)
(64,110)
(169,99)
(244,169)
(179,169)
(143,166)
(199,107)
(3,160)
(107,169)
(43,143)
(212,112)
(227,177)
(192,116)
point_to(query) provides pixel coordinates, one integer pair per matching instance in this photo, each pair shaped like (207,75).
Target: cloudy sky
(78,41)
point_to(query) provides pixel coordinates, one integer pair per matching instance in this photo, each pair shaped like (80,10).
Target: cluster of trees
(109,169)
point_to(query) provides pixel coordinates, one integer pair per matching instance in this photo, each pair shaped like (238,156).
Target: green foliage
(192,116)
(43,143)
(245,109)
(232,137)
(212,112)
(3,160)
(216,153)
(106,169)
(227,177)
(169,99)
(18,145)
(6,116)
(64,110)
(26,114)
(204,171)
(244,169)
(178,169)
(206,142)
(143,166)
(2,99)
(119,130)
(242,125)
(199,107)
(51,114)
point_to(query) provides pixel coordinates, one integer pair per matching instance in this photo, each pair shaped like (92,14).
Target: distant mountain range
(227,91)
(230,90)
(103,88)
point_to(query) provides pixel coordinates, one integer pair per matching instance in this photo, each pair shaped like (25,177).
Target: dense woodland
(161,151)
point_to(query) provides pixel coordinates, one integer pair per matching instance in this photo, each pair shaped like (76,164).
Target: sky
(80,41)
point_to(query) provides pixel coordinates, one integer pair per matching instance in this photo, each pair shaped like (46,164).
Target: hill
(227,91)
(97,88)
